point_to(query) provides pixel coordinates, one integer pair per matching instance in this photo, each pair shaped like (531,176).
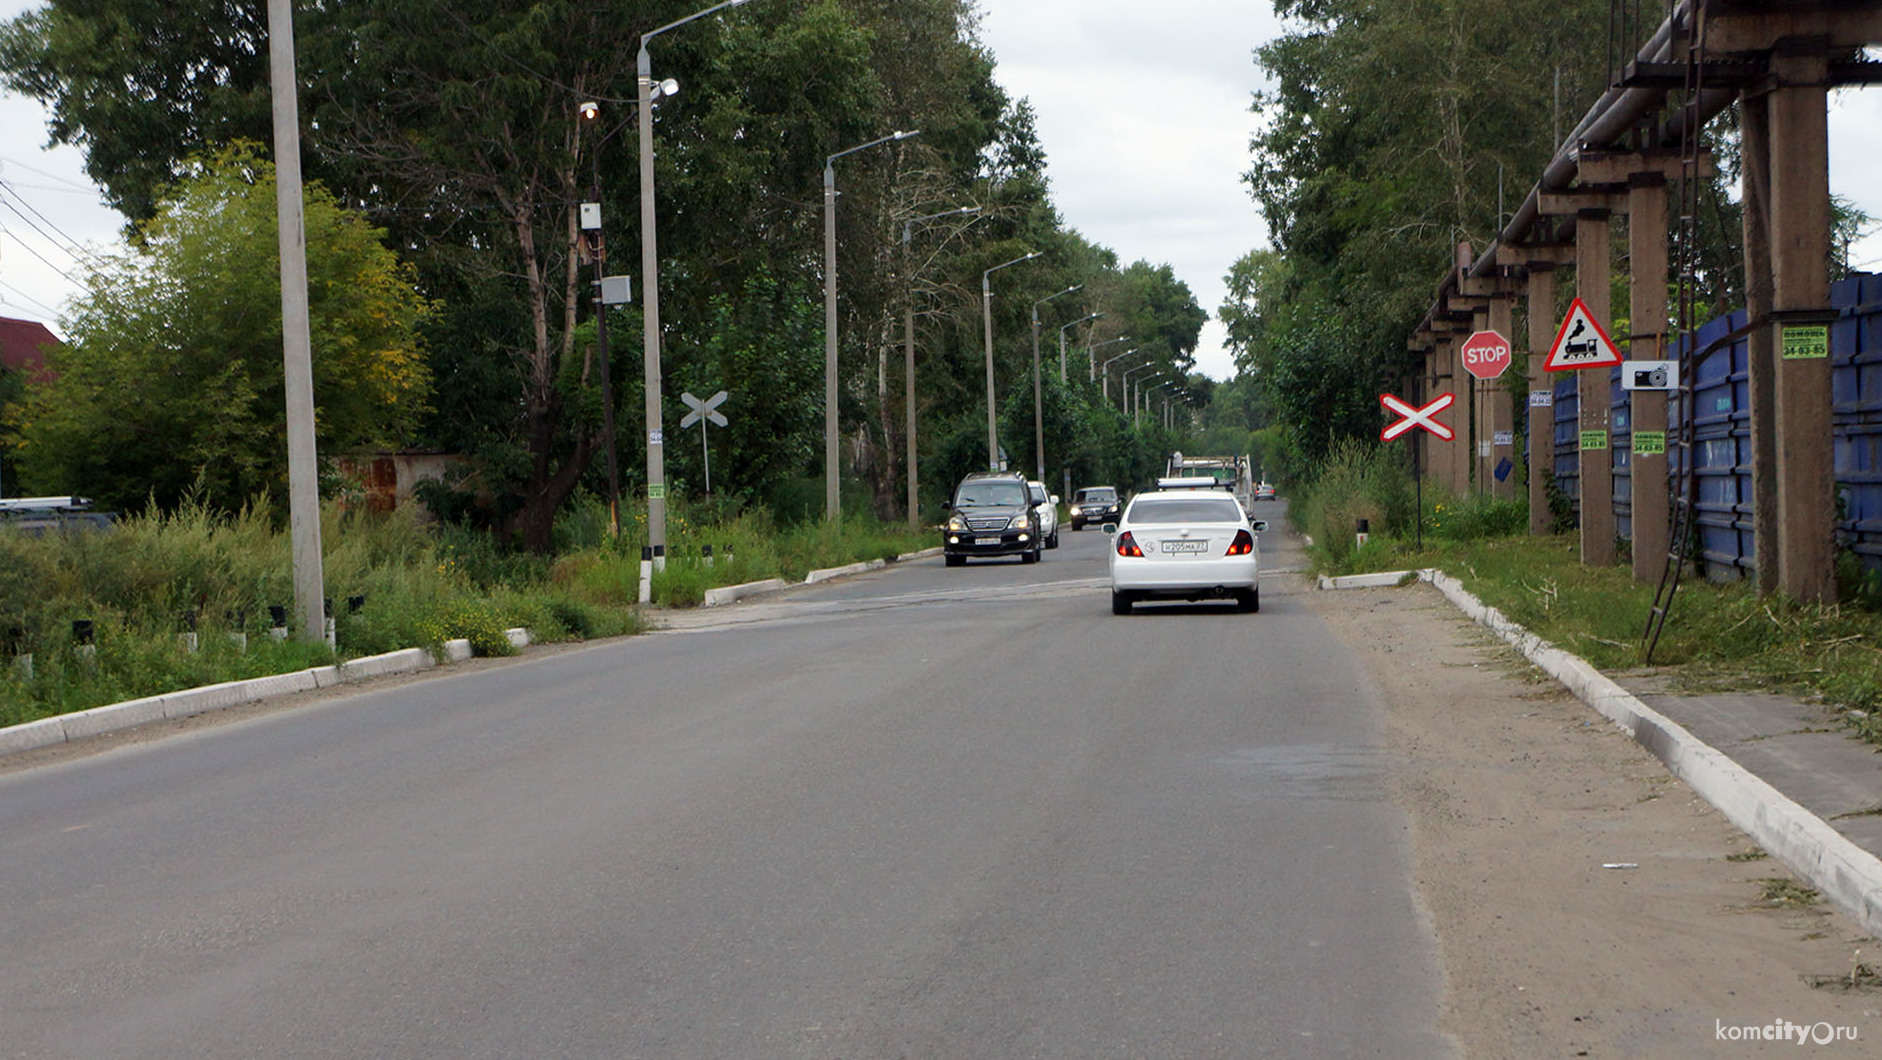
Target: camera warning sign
(1650,375)
(1581,343)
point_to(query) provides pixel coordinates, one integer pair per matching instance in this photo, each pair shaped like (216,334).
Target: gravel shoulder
(1519,798)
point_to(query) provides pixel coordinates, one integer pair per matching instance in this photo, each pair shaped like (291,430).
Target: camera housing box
(1649,375)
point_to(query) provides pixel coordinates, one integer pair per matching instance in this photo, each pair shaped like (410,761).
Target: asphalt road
(923,812)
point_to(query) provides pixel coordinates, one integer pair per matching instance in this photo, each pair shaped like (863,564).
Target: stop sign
(1486,354)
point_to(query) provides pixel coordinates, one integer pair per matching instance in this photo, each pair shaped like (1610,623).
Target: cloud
(1143,113)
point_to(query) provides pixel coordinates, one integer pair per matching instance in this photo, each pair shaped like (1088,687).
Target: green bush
(156,576)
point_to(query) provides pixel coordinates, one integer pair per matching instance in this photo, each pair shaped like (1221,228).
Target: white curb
(1846,874)
(1377,580)
(725,594)
(182,703)
(837,572)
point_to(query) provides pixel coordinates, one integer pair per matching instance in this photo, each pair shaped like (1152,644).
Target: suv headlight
(1020,522)
(956,525)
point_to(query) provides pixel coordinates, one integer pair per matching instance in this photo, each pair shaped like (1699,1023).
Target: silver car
(1047,505)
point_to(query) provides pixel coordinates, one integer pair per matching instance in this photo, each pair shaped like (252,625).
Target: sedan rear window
(1163,512)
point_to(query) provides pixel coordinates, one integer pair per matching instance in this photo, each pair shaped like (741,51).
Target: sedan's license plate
(986,540)
(1186,546)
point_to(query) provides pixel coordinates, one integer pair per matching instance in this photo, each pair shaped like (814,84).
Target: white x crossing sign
(703,409)
(1416,416)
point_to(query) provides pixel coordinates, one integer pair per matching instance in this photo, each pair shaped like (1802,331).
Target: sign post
(1424,416)
(703,411)
(1486,355)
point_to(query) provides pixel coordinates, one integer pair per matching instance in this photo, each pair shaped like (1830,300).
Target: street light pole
(1062,327)
(832,473)
(1038,414)
(908,336)
(1144,390)
(1091,355)
(1127,400)
(1166,402)
(1104,371)
(986,316)
(646,91)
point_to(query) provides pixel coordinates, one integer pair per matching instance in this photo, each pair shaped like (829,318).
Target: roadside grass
(187,598)
(1720,635)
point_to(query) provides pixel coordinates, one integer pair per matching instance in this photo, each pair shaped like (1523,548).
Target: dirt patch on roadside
(1586,903)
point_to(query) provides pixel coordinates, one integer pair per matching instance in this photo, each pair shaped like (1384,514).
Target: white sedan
(1185,545)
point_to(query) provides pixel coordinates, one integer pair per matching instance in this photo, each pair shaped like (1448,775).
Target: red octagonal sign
(1486,354)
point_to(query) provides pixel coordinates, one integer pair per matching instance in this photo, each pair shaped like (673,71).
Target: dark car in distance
(1095,506)
(992,515)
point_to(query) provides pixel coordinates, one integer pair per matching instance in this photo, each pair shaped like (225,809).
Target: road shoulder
(1519,796)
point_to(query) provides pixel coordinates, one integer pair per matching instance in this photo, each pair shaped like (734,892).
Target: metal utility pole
(1062,327)
(908,335)
(1038,414)
(986,316)
(296,341)
(1104,372)
(1091,355)
(832,500)
(646,92)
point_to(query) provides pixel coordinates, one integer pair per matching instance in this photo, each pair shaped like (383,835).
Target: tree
(172,385)
(143,85)
(1394,130)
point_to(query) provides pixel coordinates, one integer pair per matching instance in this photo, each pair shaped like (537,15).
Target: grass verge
(167,601)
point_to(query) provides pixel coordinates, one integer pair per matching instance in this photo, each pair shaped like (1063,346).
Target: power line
(73,184)
(43,307)
(28,247)
(72,248)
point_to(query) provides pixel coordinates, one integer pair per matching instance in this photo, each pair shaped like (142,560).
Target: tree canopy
(171,383)
(456,128)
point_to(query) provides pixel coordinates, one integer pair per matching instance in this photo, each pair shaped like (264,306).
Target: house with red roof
(23,347)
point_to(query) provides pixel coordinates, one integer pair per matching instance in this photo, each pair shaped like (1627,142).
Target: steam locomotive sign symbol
(1581,343)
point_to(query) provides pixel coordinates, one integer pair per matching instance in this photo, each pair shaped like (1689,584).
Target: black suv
(992,515)
(1095,505)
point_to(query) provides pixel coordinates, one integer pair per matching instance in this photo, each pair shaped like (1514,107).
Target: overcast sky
(1142,111)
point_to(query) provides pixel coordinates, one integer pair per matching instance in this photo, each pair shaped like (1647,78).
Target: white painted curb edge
(923,554)
(1376,580)
(181,704)
(1849,876)
(725,594)
(837,572)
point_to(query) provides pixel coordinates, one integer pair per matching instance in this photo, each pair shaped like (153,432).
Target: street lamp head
(666,88)
(900,135)
(589,109)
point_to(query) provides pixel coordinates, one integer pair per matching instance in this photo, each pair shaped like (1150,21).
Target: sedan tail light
(1127,545)
(1243,544)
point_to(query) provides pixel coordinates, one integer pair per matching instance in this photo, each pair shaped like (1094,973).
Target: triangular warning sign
(1581,343)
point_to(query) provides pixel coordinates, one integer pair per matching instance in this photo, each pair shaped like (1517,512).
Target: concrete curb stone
(189,701)
(726,594)
(827,573)
(1849,876)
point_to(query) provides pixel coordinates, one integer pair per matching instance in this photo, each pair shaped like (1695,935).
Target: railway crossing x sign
(707,409)
(1416,416)
(704,411)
